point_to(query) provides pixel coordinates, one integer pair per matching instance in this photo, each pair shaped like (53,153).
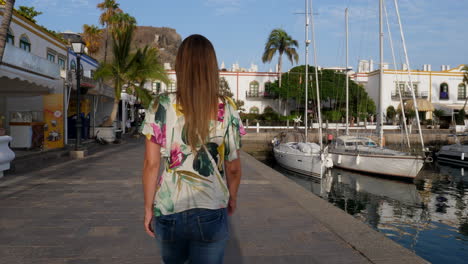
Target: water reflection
(428,216)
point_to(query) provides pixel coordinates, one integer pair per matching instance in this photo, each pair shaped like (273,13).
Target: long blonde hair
(197,74)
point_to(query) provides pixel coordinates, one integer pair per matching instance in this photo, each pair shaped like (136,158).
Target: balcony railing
(85,81)
(30,62)
(407,95)
(257,94)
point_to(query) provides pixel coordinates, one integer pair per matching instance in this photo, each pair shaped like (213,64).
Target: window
(415,89)
(10,37)
(172,87)
(254,110)
(61,62)
(444,91)
(461,91)
(51,57)
(156,87)
(73,65)
(253,88)
(25,43)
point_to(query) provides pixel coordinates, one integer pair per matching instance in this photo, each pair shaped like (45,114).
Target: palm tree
(280,42)
(129,70)
(109,9)
(7,14)
(145,66)
(121,19)
(92,36)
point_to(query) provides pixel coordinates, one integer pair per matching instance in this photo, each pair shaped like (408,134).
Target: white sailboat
(364,155)
(305,157)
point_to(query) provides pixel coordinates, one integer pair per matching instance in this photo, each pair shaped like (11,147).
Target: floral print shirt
(192,180)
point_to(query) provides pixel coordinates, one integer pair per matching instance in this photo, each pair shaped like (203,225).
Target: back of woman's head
(197,74)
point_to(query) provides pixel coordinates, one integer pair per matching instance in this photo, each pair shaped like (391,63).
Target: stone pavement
(90,211)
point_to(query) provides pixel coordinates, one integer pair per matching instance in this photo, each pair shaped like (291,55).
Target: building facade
(248,85)
(444,89)
(97,98)
(32,77)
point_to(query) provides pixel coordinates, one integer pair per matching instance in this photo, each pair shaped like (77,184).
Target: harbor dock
(91,211)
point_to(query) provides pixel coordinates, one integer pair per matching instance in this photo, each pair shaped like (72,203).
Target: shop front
(31,100)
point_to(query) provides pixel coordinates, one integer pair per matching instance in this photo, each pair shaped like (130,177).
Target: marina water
(428,216)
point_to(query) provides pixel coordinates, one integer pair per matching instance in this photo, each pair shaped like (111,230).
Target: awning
(17,82)
(423,105)
(450,108)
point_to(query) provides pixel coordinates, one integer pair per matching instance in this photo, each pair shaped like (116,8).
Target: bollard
(246,123)
(287,124)
(258,127)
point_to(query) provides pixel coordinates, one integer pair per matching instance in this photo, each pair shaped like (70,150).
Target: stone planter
(106,133)
(6,155)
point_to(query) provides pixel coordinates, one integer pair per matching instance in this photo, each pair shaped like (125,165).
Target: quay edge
(371,244)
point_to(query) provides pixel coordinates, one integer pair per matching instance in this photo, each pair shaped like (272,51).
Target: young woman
(195,134)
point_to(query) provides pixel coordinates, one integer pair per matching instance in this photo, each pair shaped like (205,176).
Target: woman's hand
(232,206)
(147,222)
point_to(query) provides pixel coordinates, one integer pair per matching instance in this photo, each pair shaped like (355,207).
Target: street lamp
(78,49)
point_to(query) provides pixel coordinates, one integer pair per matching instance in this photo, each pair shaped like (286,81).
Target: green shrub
(332,115)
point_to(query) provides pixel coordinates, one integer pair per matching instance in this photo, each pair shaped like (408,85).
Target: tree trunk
(279,77)
(8,13)
(106,43)
(109,122)
(279,67)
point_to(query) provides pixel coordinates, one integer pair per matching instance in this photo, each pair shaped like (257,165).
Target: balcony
(23,60)
(260,95)
(407,95)
(86,81)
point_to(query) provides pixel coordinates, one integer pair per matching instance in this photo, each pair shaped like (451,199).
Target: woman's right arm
(150,177)
(233,178)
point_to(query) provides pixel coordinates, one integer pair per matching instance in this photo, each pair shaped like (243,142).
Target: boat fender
(358,160)
(339,159)
(329,162)
(463,156)
(462,171)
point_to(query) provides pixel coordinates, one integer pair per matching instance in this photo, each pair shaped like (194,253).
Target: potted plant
(437,114)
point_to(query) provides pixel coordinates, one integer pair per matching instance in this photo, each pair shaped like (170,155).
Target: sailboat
(305,157)
(362,154)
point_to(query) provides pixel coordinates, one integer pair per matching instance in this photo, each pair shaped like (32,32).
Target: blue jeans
(196,235)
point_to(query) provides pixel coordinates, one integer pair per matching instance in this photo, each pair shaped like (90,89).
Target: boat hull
(454,154)
(395,166)
(305,164)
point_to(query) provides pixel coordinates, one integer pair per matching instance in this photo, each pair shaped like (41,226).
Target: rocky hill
(167,40)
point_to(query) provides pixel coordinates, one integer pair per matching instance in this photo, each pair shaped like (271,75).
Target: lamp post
(78,49)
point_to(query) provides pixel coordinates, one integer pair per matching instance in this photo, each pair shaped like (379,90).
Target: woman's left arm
(150,177)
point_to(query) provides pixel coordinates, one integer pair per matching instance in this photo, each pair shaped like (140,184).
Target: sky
(435,30)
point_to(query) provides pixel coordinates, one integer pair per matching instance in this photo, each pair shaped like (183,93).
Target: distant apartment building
(443,89)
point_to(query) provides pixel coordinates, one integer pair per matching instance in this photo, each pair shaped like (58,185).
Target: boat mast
(307,41)
(347,78)
(403,115)
(381,75)
(409,76)
(316,81)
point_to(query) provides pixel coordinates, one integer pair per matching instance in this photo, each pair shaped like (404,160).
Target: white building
(247,85)
(32,85)
(444,89)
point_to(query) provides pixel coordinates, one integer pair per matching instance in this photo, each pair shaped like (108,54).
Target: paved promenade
(90,211)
